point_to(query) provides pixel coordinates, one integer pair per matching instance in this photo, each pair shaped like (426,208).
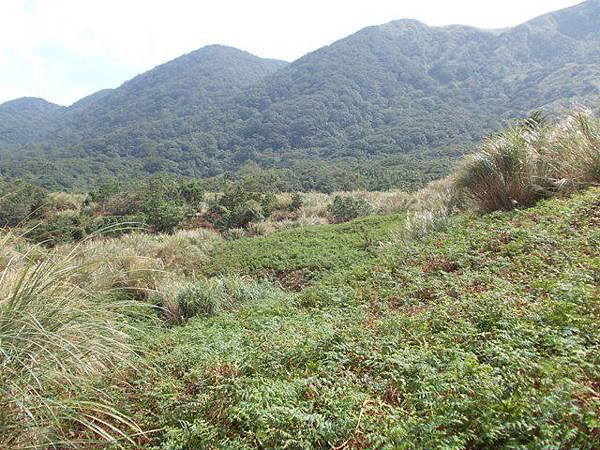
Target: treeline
(302,170)
(158,204)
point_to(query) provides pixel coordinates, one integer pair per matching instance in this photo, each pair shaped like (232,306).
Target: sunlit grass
(56,339)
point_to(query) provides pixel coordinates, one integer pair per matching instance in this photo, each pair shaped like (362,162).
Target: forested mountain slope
(404,85)
(401,99)
(26,120)
(185,86)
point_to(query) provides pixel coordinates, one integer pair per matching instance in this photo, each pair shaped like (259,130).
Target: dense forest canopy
(391,105)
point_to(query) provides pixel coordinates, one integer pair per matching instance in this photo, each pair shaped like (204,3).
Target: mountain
(389,105)
(182,87)
(26,120)
(404,85)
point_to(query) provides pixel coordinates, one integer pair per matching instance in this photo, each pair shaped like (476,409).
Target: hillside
(82,140)
(27,120)
(391,105)
(183,87)
(462,340)
(405,86)
(464,315)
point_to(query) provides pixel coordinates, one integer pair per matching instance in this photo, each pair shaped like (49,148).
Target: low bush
(19,202)
(295,202)
(161,203)
(61,228)
(65,201)
(192,192)
(348,207)
(114,226)
(238,207)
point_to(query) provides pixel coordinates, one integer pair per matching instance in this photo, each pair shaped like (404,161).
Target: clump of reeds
(57,339)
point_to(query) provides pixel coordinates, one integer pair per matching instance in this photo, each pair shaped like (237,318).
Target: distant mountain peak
(578,22)
(404,23)
(28,102)
(26,119)
(219,52)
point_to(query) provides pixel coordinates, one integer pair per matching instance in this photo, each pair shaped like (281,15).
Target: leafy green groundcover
(299,256)
(484,336)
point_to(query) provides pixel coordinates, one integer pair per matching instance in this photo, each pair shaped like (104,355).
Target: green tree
(19,201)
(345,208)
(162,203)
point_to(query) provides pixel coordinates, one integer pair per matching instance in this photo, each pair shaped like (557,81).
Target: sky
(63,50)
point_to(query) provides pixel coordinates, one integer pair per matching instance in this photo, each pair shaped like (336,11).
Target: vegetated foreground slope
(392,104)
(297,257)
(485,335)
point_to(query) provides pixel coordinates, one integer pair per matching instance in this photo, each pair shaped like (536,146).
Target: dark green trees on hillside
(391,105)
(19,202)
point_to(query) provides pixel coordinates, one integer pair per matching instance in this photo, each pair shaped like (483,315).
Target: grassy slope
(297,257)
(483,336)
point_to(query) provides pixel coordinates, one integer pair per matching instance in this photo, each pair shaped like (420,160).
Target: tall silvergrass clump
(431,209)
(518,167)
(206,297)
(506,171)
(574,152)
(56,339)
(137,263)
(526,163)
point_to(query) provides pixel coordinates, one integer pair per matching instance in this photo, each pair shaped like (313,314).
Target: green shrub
(267,203)
(104,192)
(114,225)
(65,201)
(237,208)
(161,203)
(192,192)
(345,208)
(124,203)
(296,202)
(19,202)
(58,229)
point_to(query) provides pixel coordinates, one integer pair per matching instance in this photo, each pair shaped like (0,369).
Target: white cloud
(64,49)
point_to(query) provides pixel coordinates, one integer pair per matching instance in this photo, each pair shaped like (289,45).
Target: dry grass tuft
(56,338)
(524,164)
